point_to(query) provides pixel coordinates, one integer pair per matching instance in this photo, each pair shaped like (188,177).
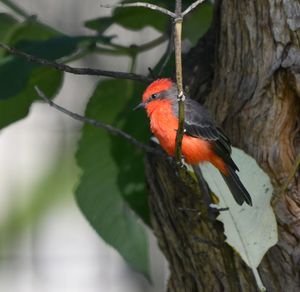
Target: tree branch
(99,124)
(191,7)
(181,97)
(73,70)
(142,4)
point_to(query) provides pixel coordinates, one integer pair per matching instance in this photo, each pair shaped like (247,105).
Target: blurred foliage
(111,190)
(51,188)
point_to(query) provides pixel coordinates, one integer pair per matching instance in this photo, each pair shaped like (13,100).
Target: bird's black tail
(236,187)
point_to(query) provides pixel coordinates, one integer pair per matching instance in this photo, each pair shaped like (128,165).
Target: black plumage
(199,123)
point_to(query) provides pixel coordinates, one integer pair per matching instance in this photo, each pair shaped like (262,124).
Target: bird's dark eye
(153,96)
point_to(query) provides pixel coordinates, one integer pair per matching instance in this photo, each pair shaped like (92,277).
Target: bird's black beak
(139,106)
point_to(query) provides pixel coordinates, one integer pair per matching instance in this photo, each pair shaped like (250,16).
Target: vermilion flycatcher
(202,140)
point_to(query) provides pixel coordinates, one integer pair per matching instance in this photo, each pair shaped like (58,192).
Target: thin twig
(99,124)
(78,71)
(181,97)
(142,4)
(168,53)
(191,7)
(140,48)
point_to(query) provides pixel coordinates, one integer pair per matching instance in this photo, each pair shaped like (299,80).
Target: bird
(202,140)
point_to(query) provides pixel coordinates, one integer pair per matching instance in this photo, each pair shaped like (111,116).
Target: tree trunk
(247,72)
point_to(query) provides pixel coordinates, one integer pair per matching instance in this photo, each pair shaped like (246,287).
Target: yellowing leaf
(251,231)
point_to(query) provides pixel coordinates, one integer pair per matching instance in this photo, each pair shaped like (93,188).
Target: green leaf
(15,72)
(197,22)
(131,179)
(7,25)
(32,30)
(138,18)
(17,107)
(7,22)
(18,76)
(99,24)
(132,18)
(38,40)
(99,156)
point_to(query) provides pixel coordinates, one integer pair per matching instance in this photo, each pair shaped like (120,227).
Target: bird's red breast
(202,141)
(164,125)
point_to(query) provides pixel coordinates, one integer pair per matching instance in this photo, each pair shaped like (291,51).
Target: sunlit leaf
(251,231)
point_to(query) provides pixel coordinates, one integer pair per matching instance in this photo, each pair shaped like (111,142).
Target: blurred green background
(50,164)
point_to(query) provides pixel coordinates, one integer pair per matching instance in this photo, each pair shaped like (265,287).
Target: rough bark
(247,72)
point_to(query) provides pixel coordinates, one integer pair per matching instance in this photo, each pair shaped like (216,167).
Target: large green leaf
(131,179)
(7,22)
(18,76)
(99,194)
(133,18)
(130,18)
(15,72)
(31,30)
(136,18)
(197,22)
(17,107)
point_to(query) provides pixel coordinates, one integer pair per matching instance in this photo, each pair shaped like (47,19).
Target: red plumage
(202,141)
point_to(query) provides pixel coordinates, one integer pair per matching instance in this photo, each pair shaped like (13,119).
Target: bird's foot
(216,209)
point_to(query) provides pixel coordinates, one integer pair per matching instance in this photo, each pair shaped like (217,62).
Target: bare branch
(178,8)
(142,4)
(169,50)
(181,97)
(191,7)
(167,56)
(73,70)
(99,124)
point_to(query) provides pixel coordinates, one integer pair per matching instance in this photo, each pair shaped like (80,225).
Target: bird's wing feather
(199,123)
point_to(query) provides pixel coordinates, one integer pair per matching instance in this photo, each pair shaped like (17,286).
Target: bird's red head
(156,87)
(161,90)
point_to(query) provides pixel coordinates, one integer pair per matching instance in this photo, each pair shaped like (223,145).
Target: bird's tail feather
(236,187)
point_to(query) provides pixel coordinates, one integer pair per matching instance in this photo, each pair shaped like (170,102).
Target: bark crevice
(247,72)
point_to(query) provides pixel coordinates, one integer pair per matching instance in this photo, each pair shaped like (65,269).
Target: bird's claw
(181,164)
(215,208)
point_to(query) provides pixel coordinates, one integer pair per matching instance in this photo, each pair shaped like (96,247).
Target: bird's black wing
(199,123)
